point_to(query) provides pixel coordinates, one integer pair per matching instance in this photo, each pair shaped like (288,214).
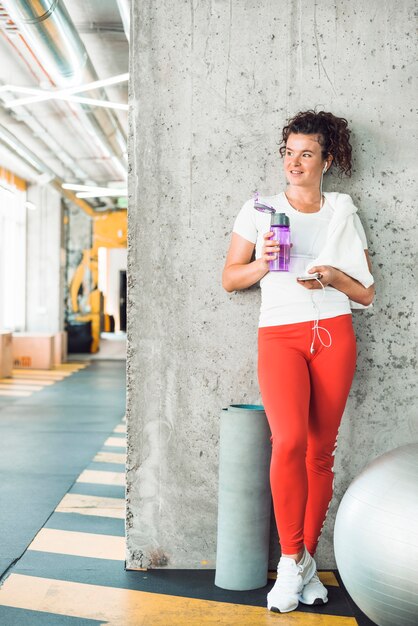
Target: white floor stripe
(116,442)
(102,478)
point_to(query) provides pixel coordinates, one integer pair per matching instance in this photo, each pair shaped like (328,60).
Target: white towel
(343,248)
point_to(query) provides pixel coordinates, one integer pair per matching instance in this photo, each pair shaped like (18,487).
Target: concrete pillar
(212,84)
(45,261)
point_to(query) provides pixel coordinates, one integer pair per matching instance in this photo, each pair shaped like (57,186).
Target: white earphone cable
(316,328)
(320,187)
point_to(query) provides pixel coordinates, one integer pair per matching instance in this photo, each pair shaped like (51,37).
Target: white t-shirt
(283,299)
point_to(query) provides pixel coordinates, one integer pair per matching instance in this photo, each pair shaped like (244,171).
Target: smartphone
(310,276)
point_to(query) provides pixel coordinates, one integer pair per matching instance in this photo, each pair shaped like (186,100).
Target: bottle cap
(264,208)
(280,219)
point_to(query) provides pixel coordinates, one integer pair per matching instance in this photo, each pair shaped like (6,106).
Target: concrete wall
(45,262)
(212,83)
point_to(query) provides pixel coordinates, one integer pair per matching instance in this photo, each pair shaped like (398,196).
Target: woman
(305,370)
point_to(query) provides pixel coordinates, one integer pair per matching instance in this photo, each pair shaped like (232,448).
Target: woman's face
(303,162)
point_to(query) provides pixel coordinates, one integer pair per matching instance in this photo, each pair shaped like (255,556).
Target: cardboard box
(6,354)
(33,351)
(60,347)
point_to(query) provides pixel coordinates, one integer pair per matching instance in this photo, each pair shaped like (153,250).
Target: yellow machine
(109,231)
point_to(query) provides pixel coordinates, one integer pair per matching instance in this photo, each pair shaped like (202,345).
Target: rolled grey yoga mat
(244,498)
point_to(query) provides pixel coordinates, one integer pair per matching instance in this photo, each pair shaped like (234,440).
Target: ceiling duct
(51,33)
(18,149)
(124,10)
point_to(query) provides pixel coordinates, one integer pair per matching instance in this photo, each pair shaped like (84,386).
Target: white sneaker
(291,577)
(314,592)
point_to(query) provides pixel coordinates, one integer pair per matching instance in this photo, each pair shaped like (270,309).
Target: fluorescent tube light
(76,187)
(102,193)
(105,104)
(39,95)
(91,188)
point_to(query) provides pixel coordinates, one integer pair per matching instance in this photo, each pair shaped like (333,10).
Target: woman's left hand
(327,275)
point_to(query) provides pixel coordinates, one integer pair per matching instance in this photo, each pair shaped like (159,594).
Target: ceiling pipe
(51,32)
(42,133)
(124,10)
(17,148)
(79,117)
(49,29)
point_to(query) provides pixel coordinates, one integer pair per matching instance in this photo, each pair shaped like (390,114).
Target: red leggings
(304,396)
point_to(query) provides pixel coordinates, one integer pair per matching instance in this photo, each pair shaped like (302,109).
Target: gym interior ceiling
(58,46)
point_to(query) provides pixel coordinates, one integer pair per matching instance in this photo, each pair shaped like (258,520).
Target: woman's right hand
(270,248)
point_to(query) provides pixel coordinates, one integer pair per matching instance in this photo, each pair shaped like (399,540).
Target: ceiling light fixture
(78,187)
(106,104)
(40,95)
(103,192)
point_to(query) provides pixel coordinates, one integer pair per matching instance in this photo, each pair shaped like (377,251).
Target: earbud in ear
(325,168)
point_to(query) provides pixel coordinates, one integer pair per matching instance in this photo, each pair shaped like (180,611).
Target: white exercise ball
(376,538)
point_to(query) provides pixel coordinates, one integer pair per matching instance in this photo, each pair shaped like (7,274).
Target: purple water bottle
(280,226)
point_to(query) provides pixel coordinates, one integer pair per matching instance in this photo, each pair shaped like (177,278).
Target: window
(12,256)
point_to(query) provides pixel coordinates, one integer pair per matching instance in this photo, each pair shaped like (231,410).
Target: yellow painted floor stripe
(79,544)
(116,442)
(26,381)
(22,370)
(92,505)
(38,378)
(117,607)
(327,578)
(21,387)
(48,374)
(15,394)
(120,428)
(109,457)
(102,478)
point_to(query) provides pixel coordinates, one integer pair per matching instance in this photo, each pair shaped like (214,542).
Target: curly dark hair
(333,137)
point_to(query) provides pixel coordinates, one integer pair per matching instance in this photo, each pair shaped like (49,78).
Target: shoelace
(286,575)
(314,579)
